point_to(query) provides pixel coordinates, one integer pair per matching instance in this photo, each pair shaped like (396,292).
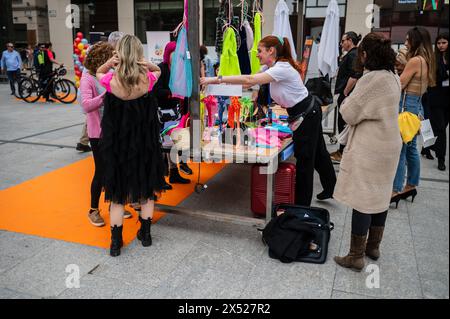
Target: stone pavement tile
(430,217)
(243,241)
(397,266)
(97,287)
(154,263)
(45,275)
(11,294)
(208,272)
(59,137)
(433,264)
(15,248)
(274,279)
(345,295)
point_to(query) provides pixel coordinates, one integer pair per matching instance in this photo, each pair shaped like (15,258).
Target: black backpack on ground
(299,234)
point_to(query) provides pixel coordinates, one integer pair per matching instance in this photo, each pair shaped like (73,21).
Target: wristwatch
(219,78)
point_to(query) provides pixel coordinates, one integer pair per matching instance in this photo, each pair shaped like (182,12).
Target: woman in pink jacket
(91,99)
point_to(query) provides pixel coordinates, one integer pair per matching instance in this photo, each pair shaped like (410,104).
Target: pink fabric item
(91,101)
(106,80)
(265,137)
(168,50)
(182,124)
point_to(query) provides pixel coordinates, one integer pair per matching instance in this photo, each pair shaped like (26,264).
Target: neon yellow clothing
(254,61)
(40,58)
(229,61)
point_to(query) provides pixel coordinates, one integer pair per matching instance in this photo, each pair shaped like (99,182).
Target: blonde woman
(419,73)
(130,144)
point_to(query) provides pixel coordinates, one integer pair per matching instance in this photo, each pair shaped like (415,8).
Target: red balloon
(81,59)
(77,51)
(80,35)
(78,73)
(77,40)
(86,46)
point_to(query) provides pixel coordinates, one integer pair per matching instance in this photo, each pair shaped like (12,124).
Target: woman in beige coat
(373,147)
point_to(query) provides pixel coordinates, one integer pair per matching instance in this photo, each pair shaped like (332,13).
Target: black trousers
(43,81)
(311,153)
(341,122)
(362,222)
(439,118)
(96,184)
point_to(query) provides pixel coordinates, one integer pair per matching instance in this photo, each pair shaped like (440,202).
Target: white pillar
(356,19)
(60,33)
(125,15)
(269,16)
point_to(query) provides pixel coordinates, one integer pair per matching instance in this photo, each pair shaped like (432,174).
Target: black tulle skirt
(130,147)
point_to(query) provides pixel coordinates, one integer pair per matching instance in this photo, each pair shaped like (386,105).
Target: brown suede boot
(355,258)
(373,242)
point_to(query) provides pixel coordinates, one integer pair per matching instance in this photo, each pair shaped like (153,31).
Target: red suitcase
(284,187)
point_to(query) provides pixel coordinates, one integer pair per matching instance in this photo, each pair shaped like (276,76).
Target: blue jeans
(13,77)
(409,157)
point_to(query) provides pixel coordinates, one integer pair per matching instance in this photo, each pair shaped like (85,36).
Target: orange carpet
(42,99)
(55,205)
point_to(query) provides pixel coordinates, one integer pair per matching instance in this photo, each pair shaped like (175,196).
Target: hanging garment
(282,27)
(253,54)
(244,58)
(249,34)
(220,22)
(180,83)
(229,62)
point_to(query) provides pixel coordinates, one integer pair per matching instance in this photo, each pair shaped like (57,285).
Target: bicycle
(24,74)
(61,89)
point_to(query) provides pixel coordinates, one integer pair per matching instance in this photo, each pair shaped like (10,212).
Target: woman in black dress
(130,141)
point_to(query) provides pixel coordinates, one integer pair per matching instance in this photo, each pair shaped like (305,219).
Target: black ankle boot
(116,240)
(144,233)
(176,178)
(441,164)
(427,153)
(184,168)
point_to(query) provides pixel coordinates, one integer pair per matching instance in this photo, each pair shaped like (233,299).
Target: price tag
(188,55)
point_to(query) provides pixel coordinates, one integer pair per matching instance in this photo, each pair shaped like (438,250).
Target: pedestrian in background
(371,153)
(438,98)
(419,73)
(346,80)
(11,64)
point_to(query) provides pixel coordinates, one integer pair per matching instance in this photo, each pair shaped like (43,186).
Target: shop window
(156,15)
(97,16)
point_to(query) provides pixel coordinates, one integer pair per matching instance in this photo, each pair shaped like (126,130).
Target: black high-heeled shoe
(396,199)
(411,192)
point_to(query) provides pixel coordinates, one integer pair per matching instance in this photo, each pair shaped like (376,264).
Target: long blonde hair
(128,73)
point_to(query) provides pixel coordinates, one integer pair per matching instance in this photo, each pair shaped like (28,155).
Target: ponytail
(283,49)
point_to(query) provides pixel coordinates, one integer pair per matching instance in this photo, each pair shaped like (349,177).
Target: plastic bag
(180,83)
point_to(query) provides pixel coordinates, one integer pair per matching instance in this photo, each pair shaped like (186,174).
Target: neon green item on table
(254,61)
(229,61)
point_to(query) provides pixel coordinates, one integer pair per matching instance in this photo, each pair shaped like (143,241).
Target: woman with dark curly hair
(91,99)
(372,150)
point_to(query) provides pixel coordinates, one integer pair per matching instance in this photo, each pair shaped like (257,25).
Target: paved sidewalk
(196,258)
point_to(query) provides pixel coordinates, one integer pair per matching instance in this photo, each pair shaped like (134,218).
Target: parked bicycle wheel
(29,90)
(65,91)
